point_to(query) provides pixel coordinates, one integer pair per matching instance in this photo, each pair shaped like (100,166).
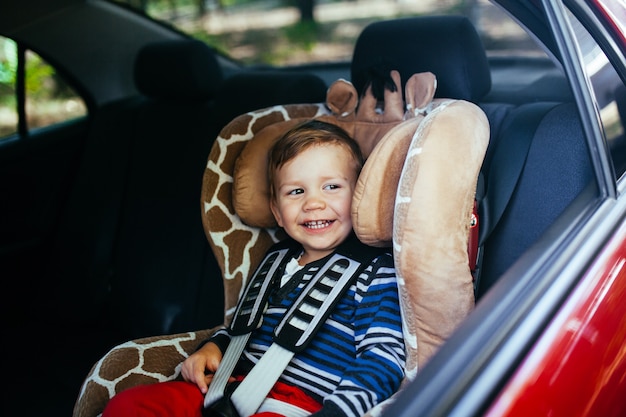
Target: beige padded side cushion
(251,196)
(431,225)
(375,192)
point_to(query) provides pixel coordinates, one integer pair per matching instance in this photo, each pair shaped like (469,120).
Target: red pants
(184,399)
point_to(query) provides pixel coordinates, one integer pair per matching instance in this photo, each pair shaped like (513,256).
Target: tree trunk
(306,10)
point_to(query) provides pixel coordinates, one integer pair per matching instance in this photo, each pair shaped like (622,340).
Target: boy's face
(313,198)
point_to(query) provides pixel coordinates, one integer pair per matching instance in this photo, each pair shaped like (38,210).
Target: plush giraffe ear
(420,92)
(342,98)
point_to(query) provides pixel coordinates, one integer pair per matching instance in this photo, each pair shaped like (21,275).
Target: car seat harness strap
(246,318)
(296,329)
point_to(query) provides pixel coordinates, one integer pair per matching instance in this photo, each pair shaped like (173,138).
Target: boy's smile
(314,197)
(319,224)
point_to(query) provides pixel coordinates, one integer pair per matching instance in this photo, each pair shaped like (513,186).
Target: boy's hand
(200,366)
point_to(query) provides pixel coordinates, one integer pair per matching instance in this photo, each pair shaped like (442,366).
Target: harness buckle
(223,407)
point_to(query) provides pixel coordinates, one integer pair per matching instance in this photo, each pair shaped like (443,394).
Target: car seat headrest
(448,46)
(269,88)
(185,69)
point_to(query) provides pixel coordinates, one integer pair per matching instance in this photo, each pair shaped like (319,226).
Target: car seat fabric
(546,185)
(158,236)
(78,271)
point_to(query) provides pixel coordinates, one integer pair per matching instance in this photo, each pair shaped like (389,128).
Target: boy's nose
(314,202)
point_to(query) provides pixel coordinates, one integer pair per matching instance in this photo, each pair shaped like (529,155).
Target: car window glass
(8,106)
(268,32)
(609,94)
(49,99)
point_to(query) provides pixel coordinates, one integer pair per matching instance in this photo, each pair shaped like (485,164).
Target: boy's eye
(331,186)
(295,191)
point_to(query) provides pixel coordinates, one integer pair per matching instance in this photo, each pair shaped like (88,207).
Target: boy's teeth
(317,224)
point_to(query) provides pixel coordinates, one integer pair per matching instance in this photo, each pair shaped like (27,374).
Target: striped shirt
(357,358)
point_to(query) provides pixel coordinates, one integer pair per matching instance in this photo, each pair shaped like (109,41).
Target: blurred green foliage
(8,66)
(40,76)
(49,98)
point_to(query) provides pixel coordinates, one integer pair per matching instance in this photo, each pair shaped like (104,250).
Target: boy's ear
(276,212)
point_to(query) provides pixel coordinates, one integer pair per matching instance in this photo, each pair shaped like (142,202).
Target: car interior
(130,258)
(524,128)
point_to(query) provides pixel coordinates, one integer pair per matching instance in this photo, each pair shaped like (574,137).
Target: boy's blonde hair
(303,136)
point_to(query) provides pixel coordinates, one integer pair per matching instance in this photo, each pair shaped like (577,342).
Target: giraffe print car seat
(415,193)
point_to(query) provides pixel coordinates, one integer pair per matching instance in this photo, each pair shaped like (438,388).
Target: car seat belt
(505,171)
(296,329)
(246,318)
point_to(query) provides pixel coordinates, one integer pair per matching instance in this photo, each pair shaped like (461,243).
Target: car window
(269,32)
(609,94)
(8,70)
(47,98)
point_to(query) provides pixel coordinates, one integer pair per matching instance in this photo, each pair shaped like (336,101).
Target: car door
(42,132)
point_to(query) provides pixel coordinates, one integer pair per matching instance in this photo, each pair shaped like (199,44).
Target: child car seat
(440,146)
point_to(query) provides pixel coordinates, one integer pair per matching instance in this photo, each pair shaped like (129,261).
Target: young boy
(356,358)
